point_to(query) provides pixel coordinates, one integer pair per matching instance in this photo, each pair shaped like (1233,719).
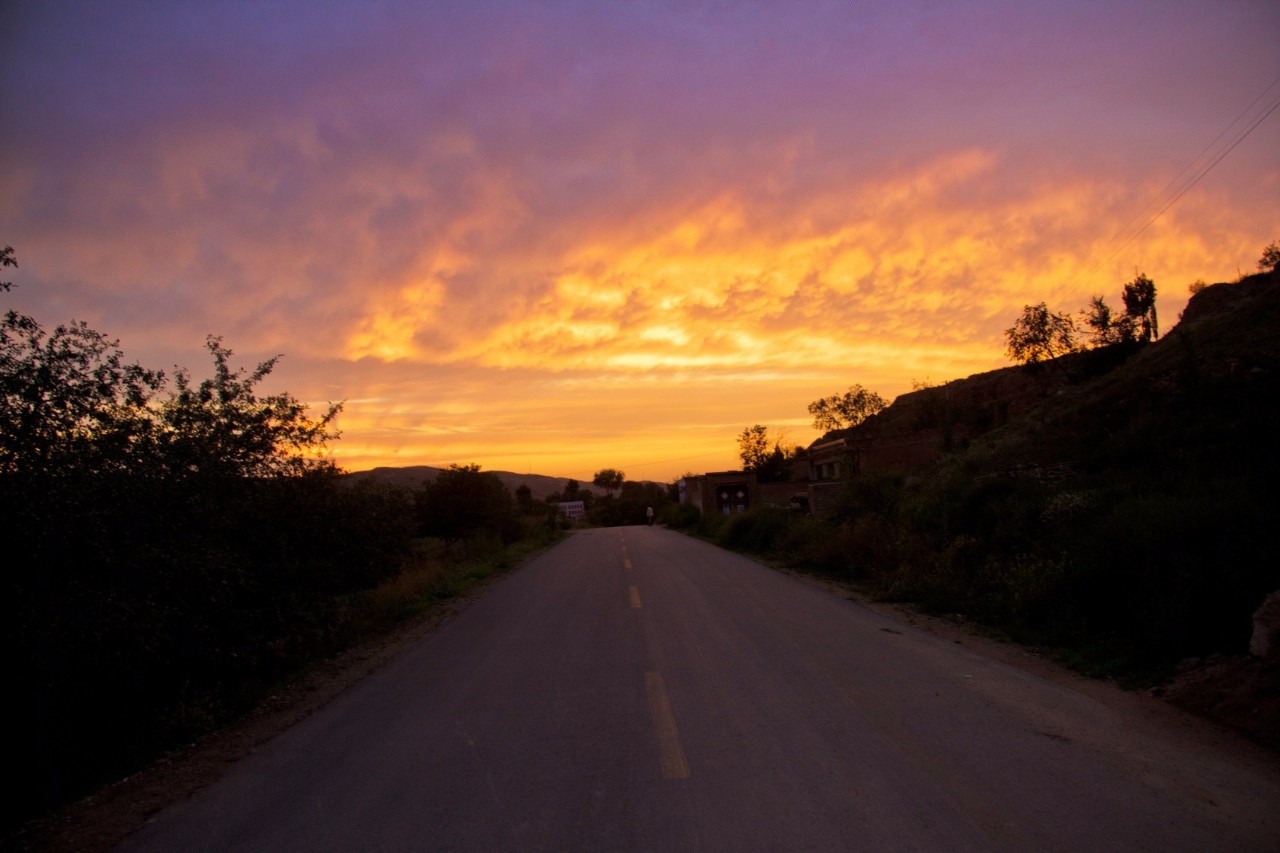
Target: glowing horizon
(564,237)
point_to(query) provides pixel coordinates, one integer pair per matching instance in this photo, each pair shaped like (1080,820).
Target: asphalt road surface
(633,689)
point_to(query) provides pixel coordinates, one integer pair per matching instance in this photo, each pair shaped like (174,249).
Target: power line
(1205,171)
(1250,125)
(1173,181)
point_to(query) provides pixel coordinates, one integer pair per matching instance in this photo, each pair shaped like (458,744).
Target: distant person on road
(649,514)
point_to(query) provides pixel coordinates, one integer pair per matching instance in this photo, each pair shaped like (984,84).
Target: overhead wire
(1249,126)
(1174,180)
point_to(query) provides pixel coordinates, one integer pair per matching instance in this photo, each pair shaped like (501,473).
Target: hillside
(411,477)
(1221,361)
(1199,402)
(1115,506)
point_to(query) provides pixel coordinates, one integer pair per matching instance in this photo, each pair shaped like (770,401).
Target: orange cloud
(548,235)
(718,306)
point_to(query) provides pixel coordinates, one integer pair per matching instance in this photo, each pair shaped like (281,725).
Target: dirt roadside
(1237,693)
(104,819)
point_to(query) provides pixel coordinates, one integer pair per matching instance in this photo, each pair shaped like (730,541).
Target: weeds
(1151,550)
(141,615)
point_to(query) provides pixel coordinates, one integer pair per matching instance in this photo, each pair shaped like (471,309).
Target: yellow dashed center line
(670,753)
(635,597)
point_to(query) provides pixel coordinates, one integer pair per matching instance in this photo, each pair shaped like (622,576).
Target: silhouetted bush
(710,524)
(463,502)
(139,613)
(815,543)
(629,506)
(761,530)
(1123,520)
(680,516)
(173,547)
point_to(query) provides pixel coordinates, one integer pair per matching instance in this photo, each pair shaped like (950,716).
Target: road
(634,689)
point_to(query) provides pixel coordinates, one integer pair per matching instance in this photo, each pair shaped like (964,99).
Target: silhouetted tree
(222,427)
(767,456)
(635,499)
(1140,309)
(776,466)
(1040,335)
(1270,259)
(753,447)
(70,403)
(157,538)
(629,506)
(1105,328)
(7,259)
(1138,323)
(463,502)
(609,479)
(841,411)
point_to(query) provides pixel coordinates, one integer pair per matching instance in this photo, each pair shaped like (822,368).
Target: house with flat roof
(721,492)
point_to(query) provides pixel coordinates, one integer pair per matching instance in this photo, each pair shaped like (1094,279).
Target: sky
(559,236)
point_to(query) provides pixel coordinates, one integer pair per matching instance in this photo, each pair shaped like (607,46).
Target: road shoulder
(1231,703)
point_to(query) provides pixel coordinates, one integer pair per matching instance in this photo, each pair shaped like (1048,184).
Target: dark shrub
(463,502)
(761,530)
(680,516)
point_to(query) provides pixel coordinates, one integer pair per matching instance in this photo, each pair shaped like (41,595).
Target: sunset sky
(565,235)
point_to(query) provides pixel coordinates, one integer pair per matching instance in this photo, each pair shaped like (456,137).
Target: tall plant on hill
(1270,259)
(1138,323)
(1105,328)
(1140,308)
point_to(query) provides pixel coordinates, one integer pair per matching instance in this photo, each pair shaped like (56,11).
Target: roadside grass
(137,627)
(1120,524)
(435,571)
(1124,585)
(432,573)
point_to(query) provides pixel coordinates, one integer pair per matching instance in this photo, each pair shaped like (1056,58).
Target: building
(723,492)
(816,479)
(728,492)
(831,464)
(911,434)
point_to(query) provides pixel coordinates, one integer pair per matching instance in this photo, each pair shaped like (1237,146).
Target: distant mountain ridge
(413,476)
